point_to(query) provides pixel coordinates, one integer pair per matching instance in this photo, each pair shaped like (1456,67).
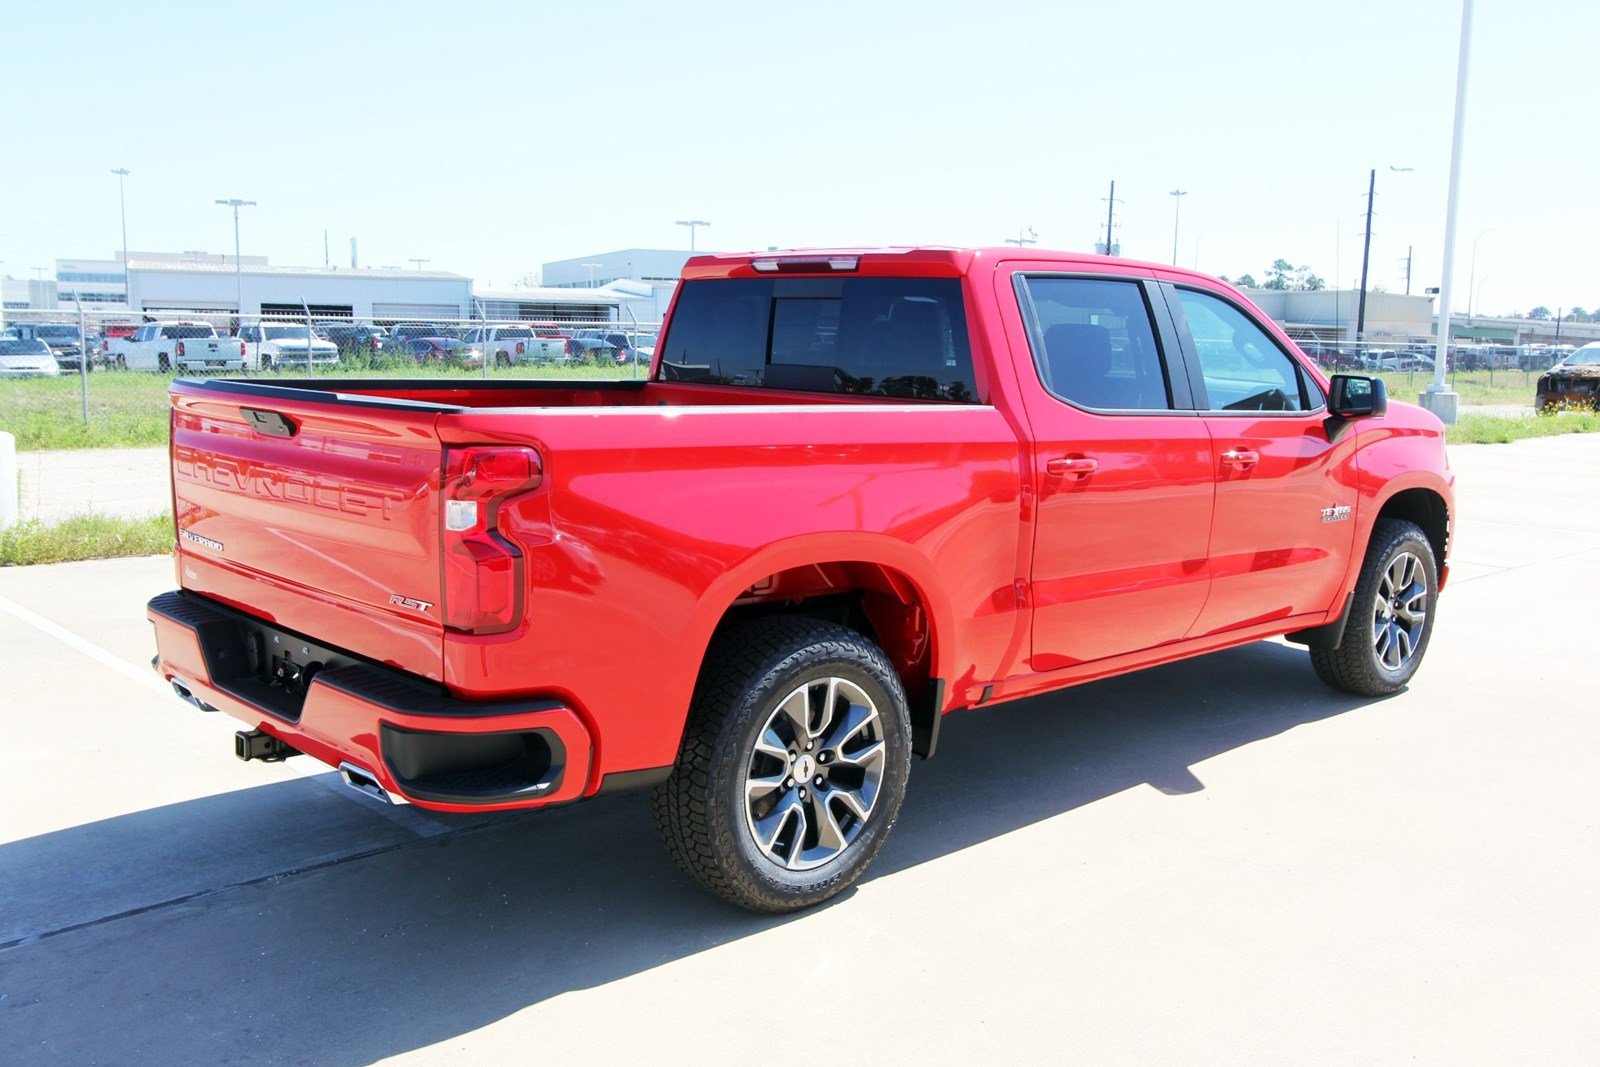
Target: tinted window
(1098,345)
(898,337)
(1243,368)
(180,333)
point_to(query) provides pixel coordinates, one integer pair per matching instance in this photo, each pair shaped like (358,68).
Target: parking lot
(1218,860)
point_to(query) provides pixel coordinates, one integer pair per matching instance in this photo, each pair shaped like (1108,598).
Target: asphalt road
(1216,861)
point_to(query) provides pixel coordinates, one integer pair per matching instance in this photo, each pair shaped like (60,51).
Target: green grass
(1474,387)
(1499,429)
(128,409)
(85,537)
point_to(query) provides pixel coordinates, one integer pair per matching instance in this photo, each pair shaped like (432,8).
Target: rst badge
(409,602)
(1337,513)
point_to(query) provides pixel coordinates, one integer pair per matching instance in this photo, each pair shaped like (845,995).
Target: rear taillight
(520,348)
(180,349)
(483,571)
(566,346)
(241,349)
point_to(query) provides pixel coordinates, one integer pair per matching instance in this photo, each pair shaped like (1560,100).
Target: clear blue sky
(490,138)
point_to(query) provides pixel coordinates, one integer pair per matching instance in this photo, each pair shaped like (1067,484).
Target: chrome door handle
(1242,458)
(1072,466)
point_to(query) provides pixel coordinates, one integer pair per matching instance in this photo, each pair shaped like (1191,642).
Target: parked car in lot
(402,332)
(1574,382)
(61,337)
(602,346)
(352,338)
(514,343)
(859,490)
(26,357)
(178,345)
(451,350)
(272,345)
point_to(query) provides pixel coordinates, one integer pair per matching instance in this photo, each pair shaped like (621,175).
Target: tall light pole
(1438,398)
(122,201)
(1472,275)
(693,225)
(1177,200)
(238,267)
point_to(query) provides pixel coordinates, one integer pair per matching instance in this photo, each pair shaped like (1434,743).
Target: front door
(1283,527)
(1122,470)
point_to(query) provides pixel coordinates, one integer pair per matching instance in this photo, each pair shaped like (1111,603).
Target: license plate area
(264,666)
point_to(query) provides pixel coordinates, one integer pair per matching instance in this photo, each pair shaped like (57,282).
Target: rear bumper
(419,744)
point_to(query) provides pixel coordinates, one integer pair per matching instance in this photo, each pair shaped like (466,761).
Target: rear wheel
(793,764)
(1391,617)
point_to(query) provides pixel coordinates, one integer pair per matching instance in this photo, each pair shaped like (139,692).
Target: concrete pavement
(1218,860)
(126,482)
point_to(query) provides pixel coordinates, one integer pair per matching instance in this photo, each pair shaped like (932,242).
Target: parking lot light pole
(238,267)
(1438,397)
(1177,201)
(122,201)
(693,225)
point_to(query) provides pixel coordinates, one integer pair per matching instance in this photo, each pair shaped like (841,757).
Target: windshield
(64,333)
(285,333)
(13,347)
(1584,357)
(645,340)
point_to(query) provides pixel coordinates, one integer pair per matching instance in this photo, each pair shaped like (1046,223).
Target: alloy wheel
(1400,611)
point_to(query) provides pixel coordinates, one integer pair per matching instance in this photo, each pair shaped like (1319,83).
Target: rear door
(1286,474)
(320,515)
(1121,465)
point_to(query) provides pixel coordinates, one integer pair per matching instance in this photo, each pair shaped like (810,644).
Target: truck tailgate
(321,517)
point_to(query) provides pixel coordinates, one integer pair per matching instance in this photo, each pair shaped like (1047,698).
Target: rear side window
(1243,367)
(893,337)
(1094,344)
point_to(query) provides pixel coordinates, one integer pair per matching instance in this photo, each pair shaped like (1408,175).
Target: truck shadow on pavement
(437,937)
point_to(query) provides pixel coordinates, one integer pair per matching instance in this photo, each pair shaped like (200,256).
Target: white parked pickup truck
(508,343)
(284,345)
(180,345)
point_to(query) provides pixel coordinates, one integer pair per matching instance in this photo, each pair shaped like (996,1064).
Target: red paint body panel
(662,504)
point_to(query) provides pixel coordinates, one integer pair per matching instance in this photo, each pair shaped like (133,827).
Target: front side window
(892,337)
(1243,368)
(1094,344)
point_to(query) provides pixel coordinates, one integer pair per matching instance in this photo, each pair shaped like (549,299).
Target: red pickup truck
(859,490)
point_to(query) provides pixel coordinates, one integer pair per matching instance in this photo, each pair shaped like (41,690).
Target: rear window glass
(895,337)
(179,333)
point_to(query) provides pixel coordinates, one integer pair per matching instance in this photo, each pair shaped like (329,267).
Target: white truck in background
(177,345)
(273,344)
(507,343)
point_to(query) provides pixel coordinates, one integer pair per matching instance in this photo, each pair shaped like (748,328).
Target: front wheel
(1391,617)
(793,764)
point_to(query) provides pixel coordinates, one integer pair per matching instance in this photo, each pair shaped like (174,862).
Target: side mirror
(1355,396)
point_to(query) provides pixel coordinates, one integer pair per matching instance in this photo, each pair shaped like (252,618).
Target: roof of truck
(915,260)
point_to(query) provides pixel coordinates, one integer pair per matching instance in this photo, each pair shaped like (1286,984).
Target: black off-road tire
(1353,666)
(699,811)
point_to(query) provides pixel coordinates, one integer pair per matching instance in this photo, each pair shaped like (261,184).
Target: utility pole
(1111,209)
(1408,270)
(238,268)
(326,261)
(1366,254)
(418,262)
(1177,199)
(1026,235)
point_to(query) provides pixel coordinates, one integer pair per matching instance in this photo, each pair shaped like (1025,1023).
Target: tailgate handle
(271,423)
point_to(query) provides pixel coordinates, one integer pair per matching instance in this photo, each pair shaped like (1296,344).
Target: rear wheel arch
(894,605)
